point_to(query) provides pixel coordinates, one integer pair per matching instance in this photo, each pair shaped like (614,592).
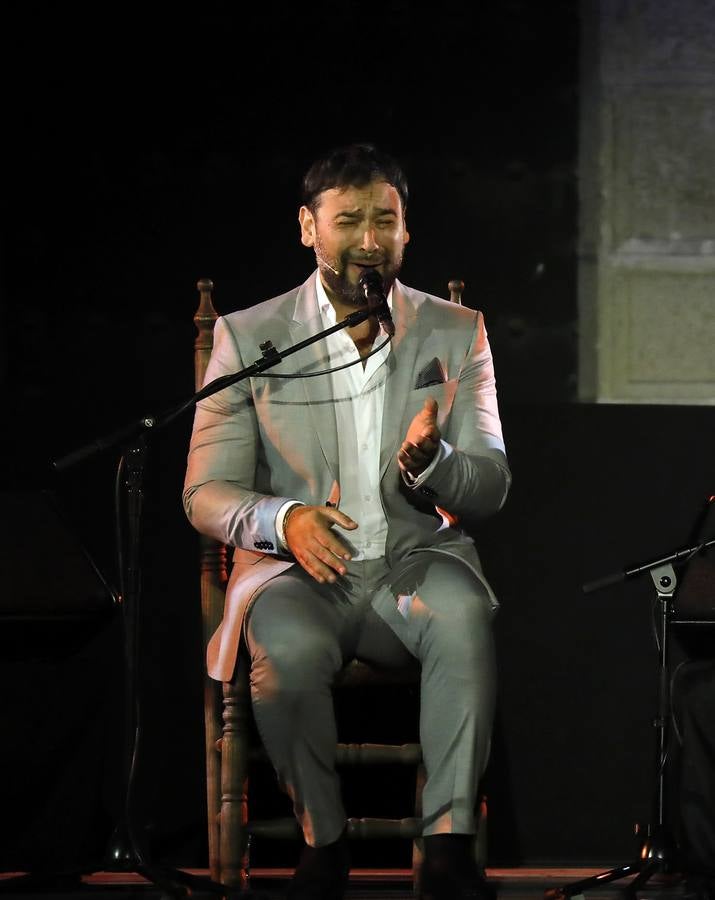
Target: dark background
(144,154)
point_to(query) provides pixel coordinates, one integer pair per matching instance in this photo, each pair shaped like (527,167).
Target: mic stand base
(121,856)
(174,884)
(658,855)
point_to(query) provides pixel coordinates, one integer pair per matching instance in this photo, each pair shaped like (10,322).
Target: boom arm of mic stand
(678,556)
(271,357)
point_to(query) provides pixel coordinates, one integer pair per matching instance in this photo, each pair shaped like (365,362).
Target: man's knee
(453,598)
(456,620)
(462,647)
(295,662)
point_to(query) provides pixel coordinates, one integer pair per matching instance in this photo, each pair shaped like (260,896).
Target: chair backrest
(213,585)
(213,553)
(456,289)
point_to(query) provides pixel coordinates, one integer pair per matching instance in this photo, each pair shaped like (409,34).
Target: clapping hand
(422,440)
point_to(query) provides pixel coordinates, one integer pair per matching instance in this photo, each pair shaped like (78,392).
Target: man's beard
(336,279)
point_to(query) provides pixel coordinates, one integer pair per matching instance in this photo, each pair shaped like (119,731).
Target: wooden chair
(228,716)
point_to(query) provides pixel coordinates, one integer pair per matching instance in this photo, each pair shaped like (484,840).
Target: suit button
(428,492)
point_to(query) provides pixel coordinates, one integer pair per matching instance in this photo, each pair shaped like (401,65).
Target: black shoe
(450,872)
(322,872)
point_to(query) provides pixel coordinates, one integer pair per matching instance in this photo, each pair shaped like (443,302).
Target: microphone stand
(124,852)
(658,851)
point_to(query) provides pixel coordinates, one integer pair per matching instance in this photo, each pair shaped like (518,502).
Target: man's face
(355,229)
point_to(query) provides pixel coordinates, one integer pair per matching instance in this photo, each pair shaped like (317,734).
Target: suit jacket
(266,440)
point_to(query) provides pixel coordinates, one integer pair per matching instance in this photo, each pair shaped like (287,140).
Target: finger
(333,545)
(414,461)
(426,437)
(405,452)
(412,452)
(431,432)
(408,464)
(308,562)
(422,448)
(316,568)
(430,408)
(326,556)
(339,518)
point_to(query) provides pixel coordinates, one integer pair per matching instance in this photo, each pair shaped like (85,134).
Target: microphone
(326,263)
(372,287)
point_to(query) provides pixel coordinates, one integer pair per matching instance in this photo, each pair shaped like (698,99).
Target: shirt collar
(326,308)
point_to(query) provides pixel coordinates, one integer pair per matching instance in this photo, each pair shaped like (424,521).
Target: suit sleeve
(219,496)
(472,478)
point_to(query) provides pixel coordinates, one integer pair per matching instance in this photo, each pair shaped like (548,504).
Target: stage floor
(270,884)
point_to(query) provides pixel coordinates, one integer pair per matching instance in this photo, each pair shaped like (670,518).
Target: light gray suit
(259,443)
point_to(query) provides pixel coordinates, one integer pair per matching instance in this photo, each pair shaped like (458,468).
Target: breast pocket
(444,395)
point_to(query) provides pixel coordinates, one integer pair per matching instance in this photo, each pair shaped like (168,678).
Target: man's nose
(369,244)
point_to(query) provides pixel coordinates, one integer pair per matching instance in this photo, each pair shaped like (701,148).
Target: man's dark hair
(353,166)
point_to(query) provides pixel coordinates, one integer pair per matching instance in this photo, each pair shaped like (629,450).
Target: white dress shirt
(359,400)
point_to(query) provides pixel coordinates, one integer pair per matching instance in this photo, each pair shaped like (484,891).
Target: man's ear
(307,227)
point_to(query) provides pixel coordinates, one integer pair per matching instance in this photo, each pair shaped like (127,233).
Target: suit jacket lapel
(318,391)
(401,362)
(401,373)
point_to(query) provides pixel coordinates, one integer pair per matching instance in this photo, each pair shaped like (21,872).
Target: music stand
(659,850)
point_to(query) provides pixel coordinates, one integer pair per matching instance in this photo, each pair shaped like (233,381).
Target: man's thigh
(433,593)
(293,616)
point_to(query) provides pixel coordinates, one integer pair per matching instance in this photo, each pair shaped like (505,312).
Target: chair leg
(480,838)
(234,781)
(417,844)
(212,723)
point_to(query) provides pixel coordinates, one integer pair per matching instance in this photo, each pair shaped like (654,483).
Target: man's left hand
(422,440)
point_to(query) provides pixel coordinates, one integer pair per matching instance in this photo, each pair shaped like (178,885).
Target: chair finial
(456,288)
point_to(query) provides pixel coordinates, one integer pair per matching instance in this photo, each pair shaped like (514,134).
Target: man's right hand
(310,538)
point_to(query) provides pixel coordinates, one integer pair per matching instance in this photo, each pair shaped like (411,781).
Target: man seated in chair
(342,495)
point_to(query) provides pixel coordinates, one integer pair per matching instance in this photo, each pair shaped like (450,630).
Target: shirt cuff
(280,521)
(443,451)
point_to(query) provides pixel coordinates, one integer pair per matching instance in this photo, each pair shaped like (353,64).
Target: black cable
(325,371)
(118,532)
(131,764)
(192,400)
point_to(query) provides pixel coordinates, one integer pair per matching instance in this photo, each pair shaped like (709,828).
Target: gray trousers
(300,634)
